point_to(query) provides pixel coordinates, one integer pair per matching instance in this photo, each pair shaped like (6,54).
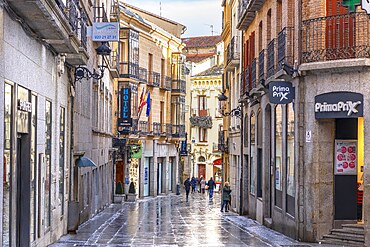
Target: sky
(199,16)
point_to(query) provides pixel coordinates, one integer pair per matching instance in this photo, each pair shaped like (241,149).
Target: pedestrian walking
(187,188)
(193,184)
(202,185)
(211,186)
(225,197)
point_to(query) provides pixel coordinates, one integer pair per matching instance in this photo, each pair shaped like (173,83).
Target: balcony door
(340,31)
(202,105)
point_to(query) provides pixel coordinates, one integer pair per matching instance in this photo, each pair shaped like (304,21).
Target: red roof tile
(196,58)
(202,41)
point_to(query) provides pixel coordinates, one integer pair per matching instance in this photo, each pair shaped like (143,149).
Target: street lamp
(83,72)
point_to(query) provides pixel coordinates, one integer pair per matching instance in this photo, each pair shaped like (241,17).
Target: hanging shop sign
(136,151)
(125,120)
(281,92)
(339,105)
(183,148)
(345,157)
(119,142)
(105,31)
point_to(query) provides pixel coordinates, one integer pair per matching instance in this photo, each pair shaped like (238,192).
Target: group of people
(210,186)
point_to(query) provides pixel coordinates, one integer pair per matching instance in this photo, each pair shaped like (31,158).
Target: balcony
(143,75)
(271,58)
(247,12)
(157,129)
(285,47)
(61,26)
(244,82)
(113,65)
(198,112)
(254,74)
(336,37)
(233,53)
(179,86)
(168,130)
(129,70)
(178,131)
(143,127)
(261,66)
(166,82)
(154,79)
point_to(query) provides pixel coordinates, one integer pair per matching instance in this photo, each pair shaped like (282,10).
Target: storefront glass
(278,154)
(61,158)
(47,206)
(8,140)
(290,190)
(33,169)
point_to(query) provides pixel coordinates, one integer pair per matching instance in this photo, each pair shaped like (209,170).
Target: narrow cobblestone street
(170,221)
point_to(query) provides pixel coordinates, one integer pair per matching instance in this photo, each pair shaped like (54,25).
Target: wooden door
(120,172)
(202,171)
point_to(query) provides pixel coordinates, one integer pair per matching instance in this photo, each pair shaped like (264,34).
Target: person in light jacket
(225,196)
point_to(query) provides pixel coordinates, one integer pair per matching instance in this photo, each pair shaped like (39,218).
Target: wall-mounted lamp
(222,98)
(83,72)
(290,70)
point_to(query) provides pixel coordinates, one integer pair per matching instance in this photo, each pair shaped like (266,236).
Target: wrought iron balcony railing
(154,79)
(336,37)
(233,50)
(179,86)
(285,49)
(143,75)
(143,127)
(243,5)
(245,81)
(129,70)
(166,83)
(261,66)
(156,129)
(271,58)
(254,73)
(168,130)
(178,131)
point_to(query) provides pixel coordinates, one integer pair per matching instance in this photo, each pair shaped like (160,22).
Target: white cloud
(197,16)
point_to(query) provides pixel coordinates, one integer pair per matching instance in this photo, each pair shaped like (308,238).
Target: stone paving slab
(171,221)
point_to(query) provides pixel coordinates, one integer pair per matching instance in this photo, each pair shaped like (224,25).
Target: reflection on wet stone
(170,221)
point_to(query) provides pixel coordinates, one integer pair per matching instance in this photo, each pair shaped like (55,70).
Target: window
(202,135)
(202,105)
(278,154)
(61,158)
(290,190)
(246,133)
(33,169)
(47,190)
(8,160)
(252,188)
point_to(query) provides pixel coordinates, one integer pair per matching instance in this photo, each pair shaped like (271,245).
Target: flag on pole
(148,105)
(141,103)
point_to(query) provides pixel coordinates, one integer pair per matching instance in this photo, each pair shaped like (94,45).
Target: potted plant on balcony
(131,196)
(119,196)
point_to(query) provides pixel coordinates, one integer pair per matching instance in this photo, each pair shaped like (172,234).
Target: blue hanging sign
(125,120)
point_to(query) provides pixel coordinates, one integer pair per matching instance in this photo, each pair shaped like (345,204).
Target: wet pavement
(171,221)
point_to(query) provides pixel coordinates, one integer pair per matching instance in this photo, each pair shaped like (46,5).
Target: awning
(218,163)
(85,162)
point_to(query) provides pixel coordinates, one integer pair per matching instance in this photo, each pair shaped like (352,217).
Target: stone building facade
(305,158)
(151,67)
(47,121)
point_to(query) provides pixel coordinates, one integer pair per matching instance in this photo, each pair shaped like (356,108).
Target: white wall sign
(308,136)
(105,31)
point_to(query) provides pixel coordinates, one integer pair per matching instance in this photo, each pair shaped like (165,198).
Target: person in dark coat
(225,197)
(211,186)
(187,188)
(193,184)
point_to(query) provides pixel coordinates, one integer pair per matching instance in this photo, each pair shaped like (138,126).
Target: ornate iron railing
(143,127)
(336,37)
(178,131)
(83,29)
(242,84)
(261,66)
(156,129)
(73,14)
(143,75)
(271,58)
(154,79)
(243,4)
(179,86)
(129,70)
(166,82)
(169,130)
(285,47)
(254,73)
(233,52)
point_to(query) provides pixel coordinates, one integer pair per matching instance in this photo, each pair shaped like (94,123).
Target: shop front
(344,112)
